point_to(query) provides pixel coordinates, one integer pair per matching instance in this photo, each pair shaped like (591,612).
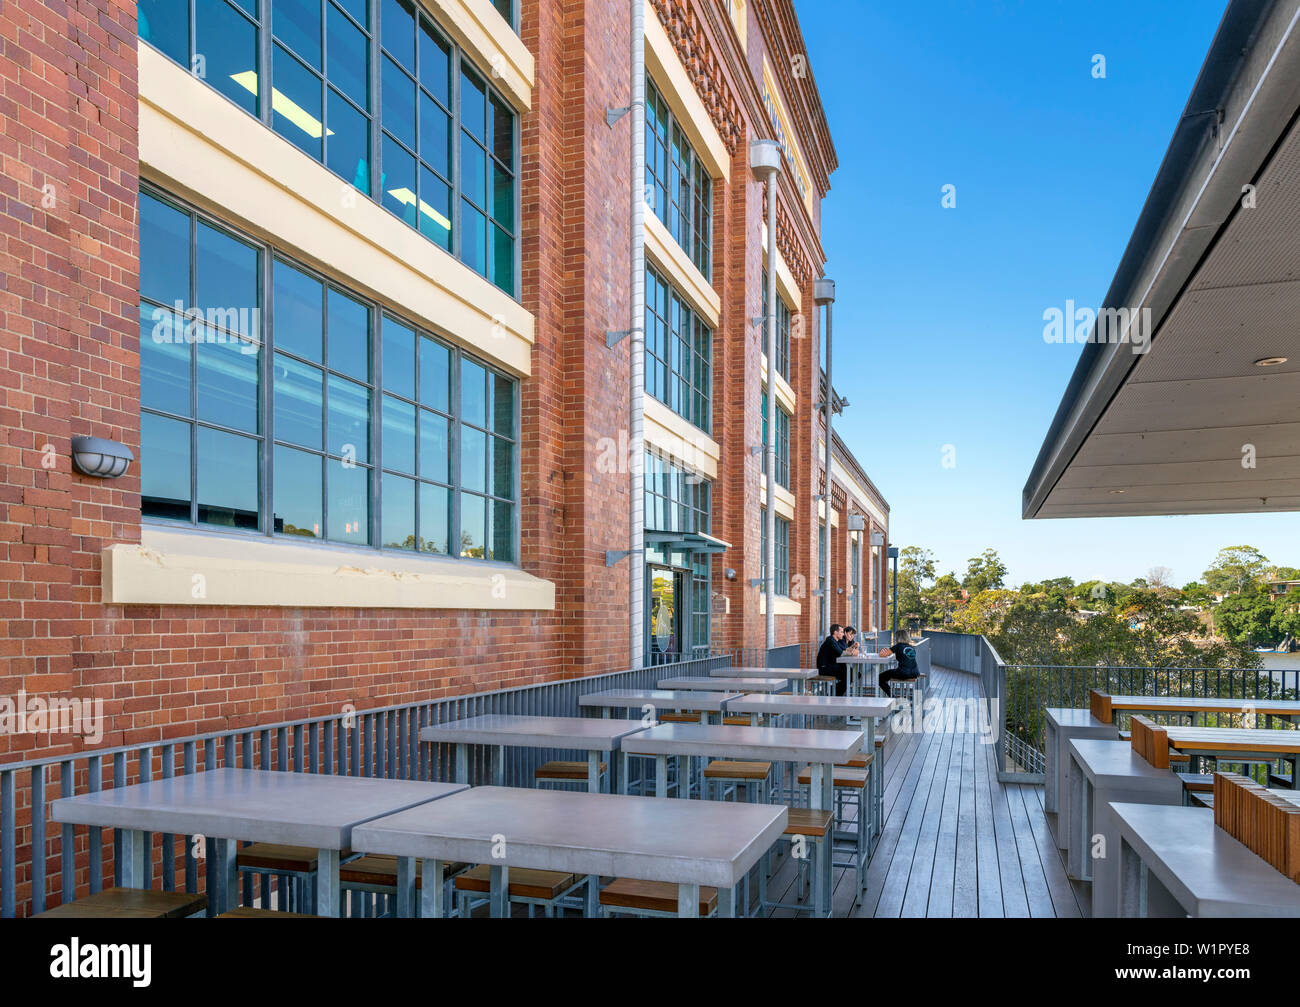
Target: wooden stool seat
(823,678)
(808,822)
(721,769)
(525,882)
(849,779)
(858,761)
(679,718)
(736,721)
(1197,783)
(655,896)
(253,913)
(574,772)
(275,857)
(129,903)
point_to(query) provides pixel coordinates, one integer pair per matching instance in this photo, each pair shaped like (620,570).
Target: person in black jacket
(907,669)
(828,658)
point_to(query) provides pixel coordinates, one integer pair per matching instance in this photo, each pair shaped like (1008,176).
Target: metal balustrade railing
(1024,692)
(44,863)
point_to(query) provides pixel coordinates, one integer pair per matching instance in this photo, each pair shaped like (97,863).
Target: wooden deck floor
(956,842)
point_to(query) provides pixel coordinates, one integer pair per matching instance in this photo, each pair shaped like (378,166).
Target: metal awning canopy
(689,541)
(1200,423)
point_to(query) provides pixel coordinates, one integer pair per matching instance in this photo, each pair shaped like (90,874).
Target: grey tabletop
(1202,866)
(786,744)
(589,733)
(814,706)
(298,809)
(728,684)
(1112,760)
(1068,716)
(865,659)
(668,699)
(648,838)
(790,673)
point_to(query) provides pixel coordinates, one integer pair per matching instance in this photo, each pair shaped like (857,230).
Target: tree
(985,572)
(1285,621)
(1246,618)
(1159,576)
(1236,569)
(915,568)
(944,598)
(1197,595)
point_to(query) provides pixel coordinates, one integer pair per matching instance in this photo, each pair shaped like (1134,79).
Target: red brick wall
(71,367)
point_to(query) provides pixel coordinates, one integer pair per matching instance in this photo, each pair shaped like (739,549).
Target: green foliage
(985,572)
(1237,568)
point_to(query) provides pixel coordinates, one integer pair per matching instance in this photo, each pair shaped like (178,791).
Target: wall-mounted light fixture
(103,459)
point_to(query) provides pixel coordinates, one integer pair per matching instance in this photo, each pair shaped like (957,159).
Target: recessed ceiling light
(1270,361)
(1117,491)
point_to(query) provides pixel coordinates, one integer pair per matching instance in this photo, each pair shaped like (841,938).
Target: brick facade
(71,366)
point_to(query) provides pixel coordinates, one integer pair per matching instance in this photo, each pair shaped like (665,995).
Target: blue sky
(939,312)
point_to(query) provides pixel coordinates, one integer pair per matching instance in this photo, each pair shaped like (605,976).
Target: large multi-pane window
(678,185)
(679,353)
(782,586)
(680,501)
(274,400)
(676,500)
(375,91)
(782,330)
(782,442)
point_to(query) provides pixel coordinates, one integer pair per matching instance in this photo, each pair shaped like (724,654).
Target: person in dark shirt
(828,658)
(851,642)
(907,669)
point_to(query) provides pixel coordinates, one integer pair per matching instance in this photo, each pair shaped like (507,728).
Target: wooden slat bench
(1104,706)
(129,903)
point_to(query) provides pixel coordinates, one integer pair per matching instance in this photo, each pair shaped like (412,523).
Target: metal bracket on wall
(613,115)
(614,337)
(613,556)
(756,582)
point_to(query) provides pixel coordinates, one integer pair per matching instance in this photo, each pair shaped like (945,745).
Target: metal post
(765,162)
(893,554)
(824,293)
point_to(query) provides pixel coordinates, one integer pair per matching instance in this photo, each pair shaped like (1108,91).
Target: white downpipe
(830,412)
(770,447)
(636,351)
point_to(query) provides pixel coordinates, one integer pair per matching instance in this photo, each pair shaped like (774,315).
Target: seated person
(907,669)
(828,657)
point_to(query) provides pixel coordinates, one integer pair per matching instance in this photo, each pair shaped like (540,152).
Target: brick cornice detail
(686,32)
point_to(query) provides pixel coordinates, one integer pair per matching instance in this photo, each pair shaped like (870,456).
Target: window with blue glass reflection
(331,420)
(316,58)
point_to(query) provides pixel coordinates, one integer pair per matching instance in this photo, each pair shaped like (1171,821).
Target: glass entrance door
(667,597)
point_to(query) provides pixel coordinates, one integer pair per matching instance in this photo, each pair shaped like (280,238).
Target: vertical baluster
(119,780)
(95,837)
(313,749)
(402,735)
(354,746)
(366,729)
(168,839)
(8,839)
(297,748)
(327,746)
(38,839)
(144,766)
(189,754)
(282,749)
(68,838)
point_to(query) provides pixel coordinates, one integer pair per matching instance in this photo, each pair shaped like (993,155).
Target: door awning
(688,541)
